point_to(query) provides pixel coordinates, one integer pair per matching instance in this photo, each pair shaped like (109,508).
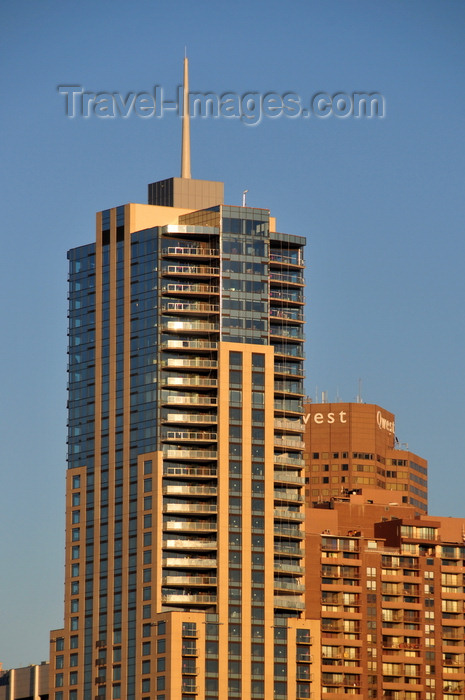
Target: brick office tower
(353,445)
(185,487)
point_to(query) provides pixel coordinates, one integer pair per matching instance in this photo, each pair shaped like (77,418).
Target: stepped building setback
(185,489)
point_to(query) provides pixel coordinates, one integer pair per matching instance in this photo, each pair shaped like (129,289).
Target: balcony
(284,424)
(286,586)
(287,296)
(187,363)
(190,400)
(288,478)
(288,495)
(189,454)
(190,326)
(282,313)
(191,526)
(178,288)
(285,514)
(289,441)
(202,436)
(188,307)
(185,381)
(289,549)
(284,278)
(282,531)
(180,490)
(200,543)
(294,260)
(185,599)
(196,270)
(181,470)
(189,580)
(288,568)
(200,508)
(197,345)
(289,603)
(190,418)
(198,251)
(189,562)
(289,459)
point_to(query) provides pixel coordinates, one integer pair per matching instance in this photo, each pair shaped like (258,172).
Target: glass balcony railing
(192,562)
(179,288)
(196,362)
(189,454)
(202,436)
(189,580)
(285,514)
(191,526)
(195,307)
(288,495)
(190,381)
(190,418)
(198,543)
(177,344)
(289,477)
(181,490)
(202,508)
(197,326)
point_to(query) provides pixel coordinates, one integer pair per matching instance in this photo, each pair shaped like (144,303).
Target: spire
(186,136)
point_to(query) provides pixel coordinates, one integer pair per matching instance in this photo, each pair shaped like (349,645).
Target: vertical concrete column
(35,692)
(11,693)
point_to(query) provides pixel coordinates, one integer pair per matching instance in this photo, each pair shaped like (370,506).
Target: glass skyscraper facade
(185,491)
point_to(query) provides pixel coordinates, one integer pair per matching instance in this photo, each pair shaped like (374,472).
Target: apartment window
(76,482)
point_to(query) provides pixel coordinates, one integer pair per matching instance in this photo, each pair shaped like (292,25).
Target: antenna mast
(186,134)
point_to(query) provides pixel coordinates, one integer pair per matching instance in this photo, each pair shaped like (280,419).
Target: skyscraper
(184,573)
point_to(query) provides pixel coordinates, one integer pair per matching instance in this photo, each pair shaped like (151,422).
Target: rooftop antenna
(359,397)
(186,133)
(244,198)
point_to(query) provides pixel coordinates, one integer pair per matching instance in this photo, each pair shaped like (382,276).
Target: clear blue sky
(381,202)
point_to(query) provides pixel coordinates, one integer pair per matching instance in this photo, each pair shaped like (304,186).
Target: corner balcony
(285,514)
(190,326)
(282,531)
(190,418)
(288,603)
(288,549)
(289,459)
(185,381)
(189,526)
(288,568)
(284,406)
(191,251)
(181,490)
(194,345)
(289,441)
(294,369)
(284,314)
(198,543)
(180,288)
(189,307)
(189,562)
(288,495)
(287,278)
(181,599)
(189,436)
(286,424)
(194,508)
(281,259)
(189,580)
(287,296)
(189,363)
(191,270)
(287,586)
(180,453)
(181,470)
(190,400)
(288,478)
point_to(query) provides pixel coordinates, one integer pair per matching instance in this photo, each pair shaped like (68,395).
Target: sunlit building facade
(185,488)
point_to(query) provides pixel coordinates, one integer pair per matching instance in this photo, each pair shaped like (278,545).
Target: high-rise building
(184,564)
(388,585)
(385,579)
(354,445)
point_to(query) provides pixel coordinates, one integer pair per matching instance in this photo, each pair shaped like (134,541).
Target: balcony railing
(285,514)
(176,525)
(199,543)
(190,381)
(290,603)
(195,363)
(190,562)
(289,477)
(175,344)
(197,307)
(178,288)
(203,436)
(189,454)
(190,399)
(288,495)
(190,418)
(202,508)
(181,470)
(197,326)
